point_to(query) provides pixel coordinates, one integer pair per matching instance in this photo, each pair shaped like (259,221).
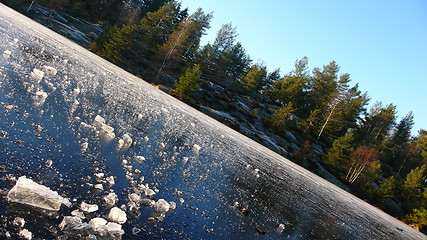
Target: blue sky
(381,44)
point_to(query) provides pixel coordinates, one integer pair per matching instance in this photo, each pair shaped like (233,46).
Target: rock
(85,207)
(117,215)
(161,206)
(26,191)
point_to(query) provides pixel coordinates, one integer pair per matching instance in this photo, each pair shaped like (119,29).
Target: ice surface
(85,207)
(26,191)
(117,215)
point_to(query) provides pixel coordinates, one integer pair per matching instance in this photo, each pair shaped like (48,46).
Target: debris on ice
(97,224)
(71,223)
(110,180)
(111,198)
(114,229)
(127,140)
(24,233)
(19,222)
(196,148)
(84,146)
(26,191)
(7,53)
(50,70)
(77,213)
(161,206)
(85,207)
(117,215)
(37,74)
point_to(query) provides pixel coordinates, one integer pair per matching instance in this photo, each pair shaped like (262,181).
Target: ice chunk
(134,197)
(99,120)
(99,186)
(110,180)
(140,158)
(114,229)
(49,163)
(120,143)
(77,91)
(71,223)
(111,198)
(37,74)
(172,205)
(24,233)
(26,191)
(50,70)
(117,215)
(97,224)
(281,228)
(127,139)
(19,222)
(161,206)
(7,53)
(41,96)
(84,146)
(77,213)
(196,148)
(85,207)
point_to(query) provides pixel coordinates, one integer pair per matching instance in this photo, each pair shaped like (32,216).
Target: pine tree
(255,79)
(188,83)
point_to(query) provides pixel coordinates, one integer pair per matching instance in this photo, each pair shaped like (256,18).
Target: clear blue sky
(382,44)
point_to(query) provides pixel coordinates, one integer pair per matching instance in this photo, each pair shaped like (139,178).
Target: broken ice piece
(127,139)
(7,53)
(172,205)
(139,158)
(115,230)
(111,198)
(77,91)
(161,206)
(117,215)
(70,223)
(50,70)
(19,222)
(120,143)
(41,96)
(99,186)
(97,224)
(77,213)
(196,148)
(110,180)
(25,234)
(84,146)
(37,74)
(49,163)
(85,207)
(26,191)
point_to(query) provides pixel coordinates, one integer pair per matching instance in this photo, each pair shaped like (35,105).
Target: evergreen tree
(225,57)
(188,83)
(413,184)
(255,79)
(338,157)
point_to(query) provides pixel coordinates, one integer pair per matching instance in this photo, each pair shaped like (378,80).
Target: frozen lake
(224,185)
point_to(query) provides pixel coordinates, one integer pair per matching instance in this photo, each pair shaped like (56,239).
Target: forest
(370,151)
